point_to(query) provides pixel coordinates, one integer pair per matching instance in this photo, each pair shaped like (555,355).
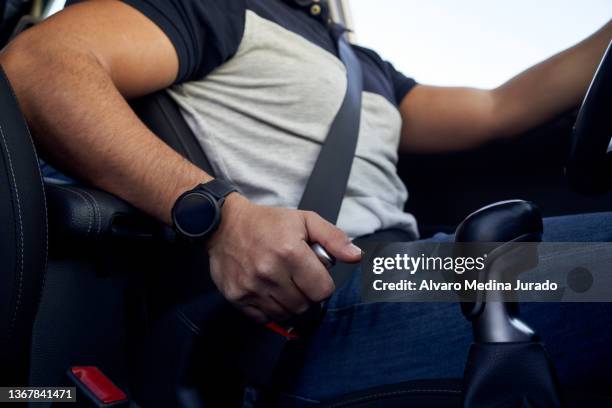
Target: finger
(311,277)
(333,239)
(254,314)
(291,297)
(272,309)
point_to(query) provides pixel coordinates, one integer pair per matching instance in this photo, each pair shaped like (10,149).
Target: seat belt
(324,194)
(327,184)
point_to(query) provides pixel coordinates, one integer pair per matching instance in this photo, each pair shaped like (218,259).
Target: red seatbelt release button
(97,386)
(287,333)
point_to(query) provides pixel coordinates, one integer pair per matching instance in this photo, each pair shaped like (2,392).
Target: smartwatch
(197,213)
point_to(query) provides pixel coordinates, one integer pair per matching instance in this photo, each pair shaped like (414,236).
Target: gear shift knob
(506,358)
(502,222)
(501,225)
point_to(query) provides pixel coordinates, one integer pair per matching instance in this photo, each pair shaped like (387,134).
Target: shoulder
(205,33)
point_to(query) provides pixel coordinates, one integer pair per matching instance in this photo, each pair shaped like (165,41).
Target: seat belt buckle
(306,323)
(288,333)
(299,326)
(96,388)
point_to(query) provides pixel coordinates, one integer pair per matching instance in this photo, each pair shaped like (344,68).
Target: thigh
(577,335)
(361,345)
(593,227)
(578,338)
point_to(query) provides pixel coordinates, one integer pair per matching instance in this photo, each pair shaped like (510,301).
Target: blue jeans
(364,345)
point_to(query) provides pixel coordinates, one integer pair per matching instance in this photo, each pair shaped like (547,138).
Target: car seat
(23,241)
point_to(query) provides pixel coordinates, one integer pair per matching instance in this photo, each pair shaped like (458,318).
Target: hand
(261,261)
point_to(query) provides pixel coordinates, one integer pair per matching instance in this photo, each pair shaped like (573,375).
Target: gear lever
(502,225)
(506,365)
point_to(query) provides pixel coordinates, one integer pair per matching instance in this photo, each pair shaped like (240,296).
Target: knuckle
(265,269)
(263,265)
(310,214)
(265,275)
(235,294)
(290,251)
(249,284)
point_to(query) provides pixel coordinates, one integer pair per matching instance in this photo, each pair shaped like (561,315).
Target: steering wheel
(589,169)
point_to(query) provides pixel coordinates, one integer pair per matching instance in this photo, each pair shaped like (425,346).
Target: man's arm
(440,119)
(71,74)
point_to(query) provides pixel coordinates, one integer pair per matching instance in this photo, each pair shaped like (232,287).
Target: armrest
(84,215)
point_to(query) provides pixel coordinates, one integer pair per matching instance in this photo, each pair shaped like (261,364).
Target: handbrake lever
(326,259)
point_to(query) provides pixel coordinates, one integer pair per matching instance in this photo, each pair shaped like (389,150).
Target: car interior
(90,286)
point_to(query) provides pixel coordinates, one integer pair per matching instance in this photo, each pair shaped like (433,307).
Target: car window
(478,43)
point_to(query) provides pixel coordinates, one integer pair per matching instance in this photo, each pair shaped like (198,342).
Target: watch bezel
(216,217)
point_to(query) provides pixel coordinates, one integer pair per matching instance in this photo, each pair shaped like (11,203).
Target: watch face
(196,214)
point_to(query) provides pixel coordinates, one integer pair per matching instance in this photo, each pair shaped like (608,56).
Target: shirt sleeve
(205,33)
(398,84)
(401,83)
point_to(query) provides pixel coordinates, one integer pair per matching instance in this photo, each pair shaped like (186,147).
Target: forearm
(82,123)
(549,88)
(442,119)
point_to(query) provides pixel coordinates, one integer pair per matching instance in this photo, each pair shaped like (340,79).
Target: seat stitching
(20,268)
(96,210)
(89,208)
(299,397)
(46,253)
(188,322)
(44,197)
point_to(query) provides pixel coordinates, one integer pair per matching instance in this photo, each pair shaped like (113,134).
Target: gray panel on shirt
(262,116)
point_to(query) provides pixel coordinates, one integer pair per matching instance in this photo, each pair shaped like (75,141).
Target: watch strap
(218,188)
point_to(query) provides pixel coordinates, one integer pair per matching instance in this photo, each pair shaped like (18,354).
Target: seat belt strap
(323,194)
(326,186)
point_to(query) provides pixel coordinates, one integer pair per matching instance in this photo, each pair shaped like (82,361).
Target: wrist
(198,212)
(176,191)
(233,204)
(233,207)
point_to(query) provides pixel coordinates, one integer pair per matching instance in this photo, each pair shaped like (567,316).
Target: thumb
(333,239)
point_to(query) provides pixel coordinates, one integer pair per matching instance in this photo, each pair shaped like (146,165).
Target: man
(259,83)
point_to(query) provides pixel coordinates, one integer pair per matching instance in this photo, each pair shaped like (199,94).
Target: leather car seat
(23,240)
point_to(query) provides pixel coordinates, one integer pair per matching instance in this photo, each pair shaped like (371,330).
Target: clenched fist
(261,260)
